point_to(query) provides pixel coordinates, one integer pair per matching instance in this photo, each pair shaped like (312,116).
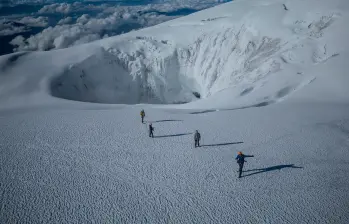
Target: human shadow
(271,168)
(164,121)
(222,144)
(175,135)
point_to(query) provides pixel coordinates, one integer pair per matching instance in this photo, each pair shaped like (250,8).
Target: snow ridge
(222,53)
(207,67)
(244,60)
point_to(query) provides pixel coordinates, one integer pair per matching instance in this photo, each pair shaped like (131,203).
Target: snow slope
(251,52)
(272,77)
(62,165)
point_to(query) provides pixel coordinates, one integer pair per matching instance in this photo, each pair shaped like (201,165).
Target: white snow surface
(273,81)
(250,52)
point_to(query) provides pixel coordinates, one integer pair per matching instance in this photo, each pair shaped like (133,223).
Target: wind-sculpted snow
(98,165)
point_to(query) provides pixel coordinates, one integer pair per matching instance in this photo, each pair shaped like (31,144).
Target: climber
(240,159)
(151,129)
(197,138)
(142,115)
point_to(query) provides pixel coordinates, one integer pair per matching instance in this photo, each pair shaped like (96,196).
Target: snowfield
(268,78)
(99,165)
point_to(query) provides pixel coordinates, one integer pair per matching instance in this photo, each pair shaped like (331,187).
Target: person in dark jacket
(197,138)
(151,129)
(240,159)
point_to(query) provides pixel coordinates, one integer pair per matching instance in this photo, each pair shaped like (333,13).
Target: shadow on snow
(175,135)
(163,121)
(221,144)
(271,168)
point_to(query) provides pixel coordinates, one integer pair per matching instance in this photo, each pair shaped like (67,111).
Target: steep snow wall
(113,76)
(157,71)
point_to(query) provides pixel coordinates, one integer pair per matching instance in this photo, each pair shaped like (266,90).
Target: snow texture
(98,165)
(268,78)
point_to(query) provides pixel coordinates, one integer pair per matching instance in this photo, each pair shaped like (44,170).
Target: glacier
(268,78)
(253,61)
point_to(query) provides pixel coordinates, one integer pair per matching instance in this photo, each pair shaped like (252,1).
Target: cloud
(57,8)
(34,22)
(67,8)
(18,40)
(83,19)
(17,26)
(166,6)
(10,28)
(74,36)
(107,21)
(65,20)
(60,36)
(182,2)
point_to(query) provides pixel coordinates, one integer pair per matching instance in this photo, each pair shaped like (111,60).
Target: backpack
(197,136)
(240,158)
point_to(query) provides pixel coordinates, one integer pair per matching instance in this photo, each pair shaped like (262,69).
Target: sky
(30,25)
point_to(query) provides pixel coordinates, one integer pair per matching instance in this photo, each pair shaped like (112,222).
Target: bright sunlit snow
(268,78)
